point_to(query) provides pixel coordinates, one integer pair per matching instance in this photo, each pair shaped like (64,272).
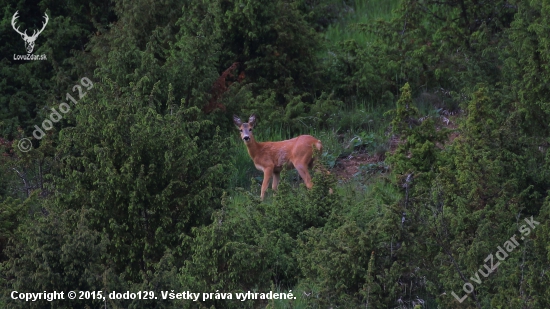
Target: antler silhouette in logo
(29,40)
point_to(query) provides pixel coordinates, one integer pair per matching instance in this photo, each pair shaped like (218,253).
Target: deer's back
(294,151)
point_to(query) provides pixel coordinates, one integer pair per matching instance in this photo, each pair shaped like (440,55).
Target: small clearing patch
(348,166)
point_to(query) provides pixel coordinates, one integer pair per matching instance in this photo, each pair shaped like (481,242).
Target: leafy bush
(248,240)
(138,170)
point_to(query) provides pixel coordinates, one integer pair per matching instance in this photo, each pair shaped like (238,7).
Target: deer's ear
(252,120)
(237,121)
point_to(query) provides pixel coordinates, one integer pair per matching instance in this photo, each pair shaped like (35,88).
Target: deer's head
(29,40)
(246,127)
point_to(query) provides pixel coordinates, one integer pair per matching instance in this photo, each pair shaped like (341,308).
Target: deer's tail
(319,146)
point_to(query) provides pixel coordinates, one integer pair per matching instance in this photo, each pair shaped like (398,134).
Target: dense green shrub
(250,246)
(146,177)
(58,252)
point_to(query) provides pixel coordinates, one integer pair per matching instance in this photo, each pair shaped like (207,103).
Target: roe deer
(271,157)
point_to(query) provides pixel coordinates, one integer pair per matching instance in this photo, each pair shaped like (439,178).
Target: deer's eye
(241,130)
(250,130)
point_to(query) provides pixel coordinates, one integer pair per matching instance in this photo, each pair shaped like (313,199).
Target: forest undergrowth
(433,117)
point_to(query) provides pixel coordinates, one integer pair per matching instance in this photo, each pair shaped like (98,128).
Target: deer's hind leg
(304,173)
(276,178)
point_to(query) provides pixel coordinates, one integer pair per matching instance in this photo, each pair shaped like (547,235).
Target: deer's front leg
(268,172)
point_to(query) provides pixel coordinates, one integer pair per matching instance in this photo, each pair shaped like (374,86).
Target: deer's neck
(254,148)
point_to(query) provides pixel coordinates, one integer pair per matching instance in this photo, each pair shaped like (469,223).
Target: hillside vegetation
(433,114)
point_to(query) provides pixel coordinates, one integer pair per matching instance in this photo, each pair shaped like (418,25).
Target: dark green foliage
(272,41)
(153,176)
(321,14)
(526,69)
(336,258)
(418,154)
(10,217)
(357,71)
(250,246)
(58,252)
(466,201)
(28,86)
(135,189)
(306,240)
(429,44)
(275,50)
(161,277)
(455,31)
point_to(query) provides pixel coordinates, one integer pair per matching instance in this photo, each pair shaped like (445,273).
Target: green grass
(361,12)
